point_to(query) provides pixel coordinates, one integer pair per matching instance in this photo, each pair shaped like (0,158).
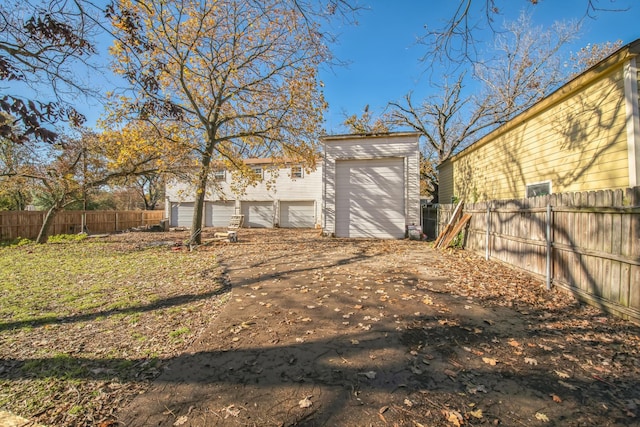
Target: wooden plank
(455,230)
(452,220)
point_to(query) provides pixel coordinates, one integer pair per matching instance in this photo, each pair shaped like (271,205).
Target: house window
(257,172)
(219,175)
(539,189)
(296,172)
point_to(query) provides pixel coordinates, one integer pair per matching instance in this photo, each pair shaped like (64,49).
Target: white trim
(300,171)
(526,187)
(632,120)
(258,171)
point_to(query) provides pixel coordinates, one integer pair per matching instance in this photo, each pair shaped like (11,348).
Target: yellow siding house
(585,136)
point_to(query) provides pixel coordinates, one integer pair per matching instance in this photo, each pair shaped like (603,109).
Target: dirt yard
(313,331)
(322,331)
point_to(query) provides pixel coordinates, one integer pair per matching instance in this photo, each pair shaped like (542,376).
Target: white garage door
(299,214)
(370,198)
(219,213)
(257,214)
(181,214)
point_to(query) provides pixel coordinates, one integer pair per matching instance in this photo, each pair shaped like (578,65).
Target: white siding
(297,214)
(353,147)
(370,198)
(277,188)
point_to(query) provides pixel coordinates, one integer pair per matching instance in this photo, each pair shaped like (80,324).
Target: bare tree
(365,123)
(42,44)
(458,40)
(591,54)
(526,69)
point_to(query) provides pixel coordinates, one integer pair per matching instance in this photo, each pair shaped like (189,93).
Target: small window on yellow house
(538,189)
(296,172)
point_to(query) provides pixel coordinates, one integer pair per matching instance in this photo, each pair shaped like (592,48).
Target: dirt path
(353,333)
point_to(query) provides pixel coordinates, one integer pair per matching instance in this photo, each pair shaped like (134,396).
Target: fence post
(548,246)
(487,251)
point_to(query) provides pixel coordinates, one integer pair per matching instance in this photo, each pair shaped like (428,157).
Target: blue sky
(383,56)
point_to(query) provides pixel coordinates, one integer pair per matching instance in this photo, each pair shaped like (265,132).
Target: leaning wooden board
(450,223)
(446,241)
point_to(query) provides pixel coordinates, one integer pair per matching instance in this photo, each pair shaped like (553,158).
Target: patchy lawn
(85,325)
(288,328)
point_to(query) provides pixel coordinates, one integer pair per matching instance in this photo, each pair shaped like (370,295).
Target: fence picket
(26,224)
(595,248)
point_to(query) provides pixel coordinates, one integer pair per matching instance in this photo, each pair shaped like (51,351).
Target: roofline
(367,135)
(626,52)
(271,160)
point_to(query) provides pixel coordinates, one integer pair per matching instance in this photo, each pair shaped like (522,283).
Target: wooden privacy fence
(587,243)
(14,224)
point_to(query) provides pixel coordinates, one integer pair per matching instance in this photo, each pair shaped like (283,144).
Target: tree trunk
(201,191)
(46,224)
(198,208)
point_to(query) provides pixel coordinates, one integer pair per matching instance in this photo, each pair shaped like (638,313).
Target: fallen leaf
(181,420)
(408,403)
(358,306)
(530,361)
(306,402)
(476,414)
(426,300)
(514,343)
(231,410)
(562,374)
(454,418)
(489,360)
(555,398)
(355,342)
(545,347)
(383,409)
(542,417)
(450,373)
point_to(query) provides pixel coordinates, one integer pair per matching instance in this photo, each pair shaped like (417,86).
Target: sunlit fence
(587,243)
(27,224)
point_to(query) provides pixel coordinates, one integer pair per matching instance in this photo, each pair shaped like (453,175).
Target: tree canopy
(233,78)
(42,44)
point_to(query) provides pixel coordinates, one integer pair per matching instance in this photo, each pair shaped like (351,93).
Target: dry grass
(84,326)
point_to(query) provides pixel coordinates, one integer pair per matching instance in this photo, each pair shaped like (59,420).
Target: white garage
(297,214)
(218,213)
(257,214)
(182,214)
(370,198)
(371,185)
